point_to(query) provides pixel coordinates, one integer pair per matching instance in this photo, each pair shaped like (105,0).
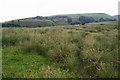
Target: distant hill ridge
(63,19)
(95,15)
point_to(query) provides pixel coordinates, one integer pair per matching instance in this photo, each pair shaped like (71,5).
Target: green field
(79,51)
(113,23)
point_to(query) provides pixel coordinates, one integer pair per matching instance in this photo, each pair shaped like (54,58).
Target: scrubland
(71,51)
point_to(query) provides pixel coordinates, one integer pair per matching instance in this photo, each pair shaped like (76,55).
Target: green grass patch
(113,23)
(17,64)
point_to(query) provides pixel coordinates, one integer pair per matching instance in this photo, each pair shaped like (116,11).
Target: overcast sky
(16,9)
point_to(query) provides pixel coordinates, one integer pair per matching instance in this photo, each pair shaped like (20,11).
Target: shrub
(96,50)
(11,37)
(83,23)
(34,46)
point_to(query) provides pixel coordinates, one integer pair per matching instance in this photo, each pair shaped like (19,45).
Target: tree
(101,19)
(75,23)
(69,20)
(84,19)
(12,21)
(83,23)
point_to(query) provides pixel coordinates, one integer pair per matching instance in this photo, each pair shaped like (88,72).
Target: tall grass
(88,54)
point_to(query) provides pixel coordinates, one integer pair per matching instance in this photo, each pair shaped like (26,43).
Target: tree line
(83,19)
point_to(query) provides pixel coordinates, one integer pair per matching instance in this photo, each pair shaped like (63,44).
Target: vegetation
(72,19)
(79,51)
(113,23)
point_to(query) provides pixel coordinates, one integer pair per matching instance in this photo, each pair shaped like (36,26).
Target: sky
(17,9)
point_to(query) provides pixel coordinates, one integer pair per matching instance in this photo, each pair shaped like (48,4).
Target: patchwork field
(73,51)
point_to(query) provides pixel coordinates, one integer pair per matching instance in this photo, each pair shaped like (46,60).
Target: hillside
(65,19)
(117,16)
(94,15)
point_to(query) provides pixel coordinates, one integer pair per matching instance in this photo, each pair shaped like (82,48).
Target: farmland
(70,51)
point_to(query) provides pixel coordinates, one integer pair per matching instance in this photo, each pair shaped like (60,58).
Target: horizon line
(56,15)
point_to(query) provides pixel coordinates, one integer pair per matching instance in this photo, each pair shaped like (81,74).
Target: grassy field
(113,23)
(79,51)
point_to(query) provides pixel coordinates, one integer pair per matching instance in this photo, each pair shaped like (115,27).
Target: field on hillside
(113,23)
(73,51)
